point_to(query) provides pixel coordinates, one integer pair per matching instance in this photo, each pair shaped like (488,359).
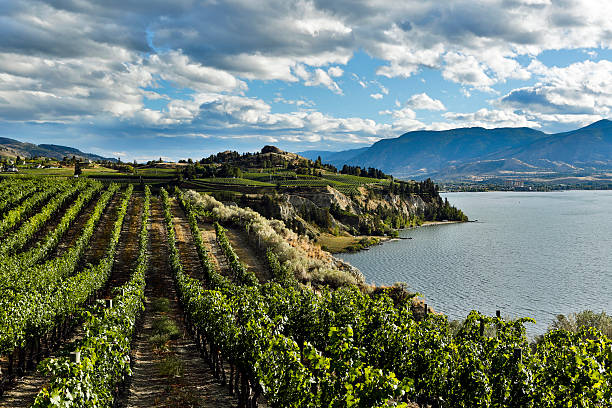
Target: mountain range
(13,148)
(477,153)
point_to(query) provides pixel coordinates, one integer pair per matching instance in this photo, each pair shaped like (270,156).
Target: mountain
(478,152)
(590,146)
(13,148)
(333,157)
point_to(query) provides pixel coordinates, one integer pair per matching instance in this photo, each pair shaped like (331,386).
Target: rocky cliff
(365,212)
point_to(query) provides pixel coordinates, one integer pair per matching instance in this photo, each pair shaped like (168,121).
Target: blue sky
(140,80)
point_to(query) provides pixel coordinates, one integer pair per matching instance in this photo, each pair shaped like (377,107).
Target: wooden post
(108,303)
(498,313)
(426,310)
(75,357)
(482,327)
(518,355)
(10,363)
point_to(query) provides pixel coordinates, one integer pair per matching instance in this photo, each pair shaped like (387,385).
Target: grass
(160,305)
(171,366)
(345,243)
(47,172)
(154,171)
(309,183)
(354,180)
(166,327)
(163,328)
(235,181)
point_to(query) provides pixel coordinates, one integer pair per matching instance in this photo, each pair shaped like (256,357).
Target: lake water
(529,254)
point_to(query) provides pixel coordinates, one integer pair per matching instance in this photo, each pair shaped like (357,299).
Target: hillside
(13,148)
(477,152)
(316,199)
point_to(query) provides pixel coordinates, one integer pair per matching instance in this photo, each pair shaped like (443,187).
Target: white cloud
(178,68)
(376,96)
(582,88)
(297,102)
(335,72)
(490,119)
(466,70)
(301,72)
(321,78)
(425,102)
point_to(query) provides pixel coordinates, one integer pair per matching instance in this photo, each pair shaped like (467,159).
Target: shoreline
(356,243)
(429,223)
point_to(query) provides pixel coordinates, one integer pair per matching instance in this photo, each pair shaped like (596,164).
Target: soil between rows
(150,387)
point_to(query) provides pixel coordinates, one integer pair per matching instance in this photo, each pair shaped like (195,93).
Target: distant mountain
(590,146)
(333,157)
(13,148)
(474,152)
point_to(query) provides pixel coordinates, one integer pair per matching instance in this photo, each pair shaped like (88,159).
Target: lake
(529,255)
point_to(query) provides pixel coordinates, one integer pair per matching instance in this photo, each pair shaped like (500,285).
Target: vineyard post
(22,360)
(10,363)
(75,357)
(518,355)
(426,311)
(482,327)
(108,303)
(498,313)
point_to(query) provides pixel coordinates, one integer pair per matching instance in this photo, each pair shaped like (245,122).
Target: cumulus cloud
(580,93)
(322,78)
(425,102)
(491,118)
(176,67)
(404,120)
(580,88)
(376,96)
(466,70)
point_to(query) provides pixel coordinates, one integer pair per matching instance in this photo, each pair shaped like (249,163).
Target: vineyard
(114,296)
(254,182)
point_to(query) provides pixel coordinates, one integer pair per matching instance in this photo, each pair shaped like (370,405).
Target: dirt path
(76,228)
(189,255)
(247,254)
(98,244)
(128,246)
(171,373)
(209,239)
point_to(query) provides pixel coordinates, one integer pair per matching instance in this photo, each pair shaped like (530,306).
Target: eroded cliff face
(348,213)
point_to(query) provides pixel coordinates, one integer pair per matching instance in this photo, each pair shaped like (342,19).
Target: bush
(575,321)
(273,235)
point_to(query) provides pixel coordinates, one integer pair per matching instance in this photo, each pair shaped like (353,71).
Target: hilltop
(317,199)
(13,148)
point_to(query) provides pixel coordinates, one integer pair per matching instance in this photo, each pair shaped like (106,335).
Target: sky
(142,80)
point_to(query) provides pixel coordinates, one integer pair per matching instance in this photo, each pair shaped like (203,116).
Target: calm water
(529,254)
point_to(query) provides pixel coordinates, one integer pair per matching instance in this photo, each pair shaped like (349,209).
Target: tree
(77,169)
